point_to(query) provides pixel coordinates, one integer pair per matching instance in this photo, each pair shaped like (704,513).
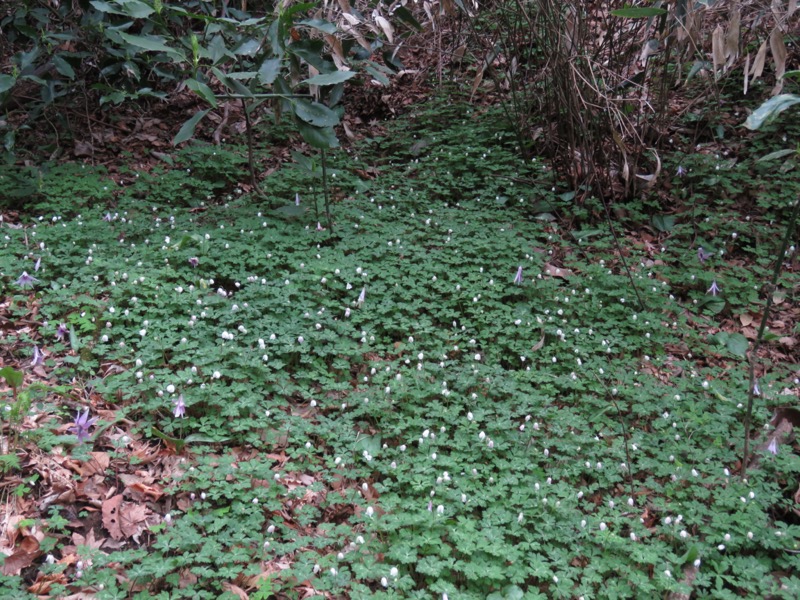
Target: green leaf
(179,444)
(319,137)
(129,8)
(151,44)
(7,82)
(311,52)
(370,443)
(12,376)
(247,48)
(229,82)
(777,154)
(269,70)
(320,25)
(288,13)
(691,554)
(315,113)
(405,15)
(377,75)
(63,67)
(633,12)
(291,210)
(303,161)
(216,49)
(137,9)
(698,66)
(187,129)
(769,110)
(737,344)
(202,90)
(586,233)
(664,223)
(330,78)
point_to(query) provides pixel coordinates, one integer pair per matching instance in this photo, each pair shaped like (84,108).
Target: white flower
(370,511)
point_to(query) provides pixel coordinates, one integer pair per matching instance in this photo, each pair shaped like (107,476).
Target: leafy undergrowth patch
(450,394)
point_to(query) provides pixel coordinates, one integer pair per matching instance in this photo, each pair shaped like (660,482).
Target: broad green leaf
(137,9)
(712,305)
(405,15)
(698,66)
(643,12)
(247,48)
(315,113)
(235,86)
(777,154)
(311,52)
(151,44)
(12,376)
(370,443)
(690,555)
(187,129)
(7,82)
(330,78)
(243,75)
(269,70)
(320,25)
(586,233)
(297,8)
(737,344)
(769,110)
(129,8)
(275,41)
(63,67)
(302,160)
(377,75)
(291,210)
(664,223)
(202,90)
(177,443)
(319,137)
(216,49)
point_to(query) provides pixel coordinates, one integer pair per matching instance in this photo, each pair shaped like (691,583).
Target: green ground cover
(382,411)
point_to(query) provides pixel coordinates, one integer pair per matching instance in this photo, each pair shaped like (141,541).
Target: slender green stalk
(768,290)
(325,191)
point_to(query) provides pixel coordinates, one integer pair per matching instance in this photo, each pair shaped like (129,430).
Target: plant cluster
(457,395)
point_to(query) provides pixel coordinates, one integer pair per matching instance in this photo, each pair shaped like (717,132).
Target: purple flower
(681,172)
(194,261)
(61,332)
(362,296)
(108,218)
(714,289)
(702,255)
(756,389)
(81,425)
(26,280)
(297,199)
(180,408)
(319,226)
(518,276)
(38,357)
(37,265)
(773,445)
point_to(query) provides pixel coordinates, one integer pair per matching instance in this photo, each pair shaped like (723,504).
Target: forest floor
(466,383)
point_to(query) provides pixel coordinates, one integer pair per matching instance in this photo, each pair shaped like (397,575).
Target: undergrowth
(389,412)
